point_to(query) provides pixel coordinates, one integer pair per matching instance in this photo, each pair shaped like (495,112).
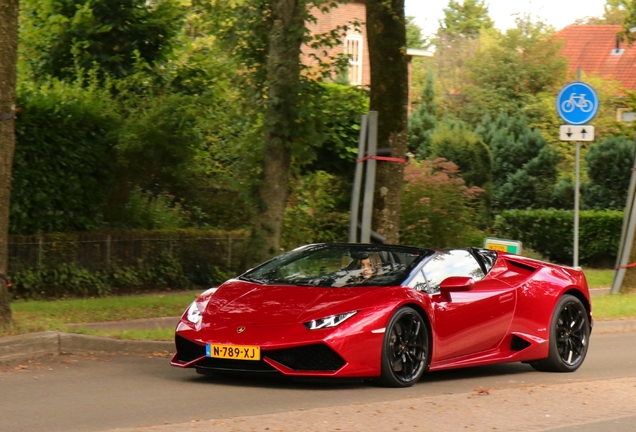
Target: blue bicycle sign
(577,103)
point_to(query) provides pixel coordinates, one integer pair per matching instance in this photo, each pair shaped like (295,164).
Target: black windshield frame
(338,265)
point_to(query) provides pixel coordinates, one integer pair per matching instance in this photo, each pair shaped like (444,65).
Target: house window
(623,115)
(353,48)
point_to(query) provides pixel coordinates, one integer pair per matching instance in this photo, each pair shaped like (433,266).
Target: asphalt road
(103,392)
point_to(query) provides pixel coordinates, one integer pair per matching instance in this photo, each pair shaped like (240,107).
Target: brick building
(355,41)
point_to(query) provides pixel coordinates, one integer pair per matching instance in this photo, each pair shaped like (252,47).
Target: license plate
(236,352)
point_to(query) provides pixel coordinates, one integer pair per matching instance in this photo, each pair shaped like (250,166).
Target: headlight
(195,310)
(194,313)
(330,321)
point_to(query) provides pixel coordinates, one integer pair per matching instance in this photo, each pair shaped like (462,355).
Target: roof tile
(591,47)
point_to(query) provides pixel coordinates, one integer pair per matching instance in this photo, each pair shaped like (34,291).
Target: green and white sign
(510,246)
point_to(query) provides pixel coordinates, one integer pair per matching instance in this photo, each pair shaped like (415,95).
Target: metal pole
(577,185)
(627,233)
(576,204)
(357,182)
(369,187)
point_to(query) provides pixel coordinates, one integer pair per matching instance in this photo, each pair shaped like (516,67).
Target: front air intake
(188,351)
(317,357)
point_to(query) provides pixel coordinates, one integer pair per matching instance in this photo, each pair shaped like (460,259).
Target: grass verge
(41,315)
(614,306)
(159,334)
(599,278)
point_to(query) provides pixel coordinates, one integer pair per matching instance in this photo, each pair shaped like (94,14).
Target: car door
(470,321)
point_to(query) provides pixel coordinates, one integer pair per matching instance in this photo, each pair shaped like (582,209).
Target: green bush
(437,207)
(93,264)
(313,213)
(551,233)
(64,280)
(62,168)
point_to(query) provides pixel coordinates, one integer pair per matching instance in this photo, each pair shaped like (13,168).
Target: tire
(406,349)
(569,337)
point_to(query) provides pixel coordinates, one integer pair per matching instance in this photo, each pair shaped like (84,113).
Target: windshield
(339,265)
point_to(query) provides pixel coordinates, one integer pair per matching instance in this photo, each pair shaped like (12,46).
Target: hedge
(99,263)
(551,233)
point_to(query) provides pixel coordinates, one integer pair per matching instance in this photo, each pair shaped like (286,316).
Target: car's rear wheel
(569,337)
(406,348)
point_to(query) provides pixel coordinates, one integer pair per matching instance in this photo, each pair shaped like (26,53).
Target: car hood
(245,302)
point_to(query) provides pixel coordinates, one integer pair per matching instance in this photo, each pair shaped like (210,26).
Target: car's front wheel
(405,352)
(569,337)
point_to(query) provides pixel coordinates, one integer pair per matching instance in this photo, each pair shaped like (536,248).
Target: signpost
(576,133)
(577,104)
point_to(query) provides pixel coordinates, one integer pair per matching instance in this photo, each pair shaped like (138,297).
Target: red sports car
(388,312)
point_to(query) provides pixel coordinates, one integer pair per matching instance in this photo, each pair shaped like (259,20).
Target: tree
(608,163)
(507,73)
(8,73)
(423,120)
(458,39)
(63,36)
(414,37)
(465,19)
(615,12)
(386,33)
(281,124)
(523,164)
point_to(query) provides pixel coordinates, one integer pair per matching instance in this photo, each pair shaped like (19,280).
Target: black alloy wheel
(569,337)
(405,353)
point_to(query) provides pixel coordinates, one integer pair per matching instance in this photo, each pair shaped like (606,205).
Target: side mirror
(455,284)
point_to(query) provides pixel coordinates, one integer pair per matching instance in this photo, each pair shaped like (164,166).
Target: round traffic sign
(577,103)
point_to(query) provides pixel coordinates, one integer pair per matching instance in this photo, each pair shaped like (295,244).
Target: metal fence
(102,251)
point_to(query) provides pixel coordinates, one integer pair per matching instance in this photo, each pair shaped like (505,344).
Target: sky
(558,13)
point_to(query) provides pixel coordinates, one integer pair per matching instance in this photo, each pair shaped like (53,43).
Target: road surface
(103,392)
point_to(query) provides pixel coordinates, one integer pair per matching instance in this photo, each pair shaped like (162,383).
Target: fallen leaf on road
(482,391)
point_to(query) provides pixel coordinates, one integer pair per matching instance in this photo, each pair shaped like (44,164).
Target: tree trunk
(8,62)
(280,128)
(386,32)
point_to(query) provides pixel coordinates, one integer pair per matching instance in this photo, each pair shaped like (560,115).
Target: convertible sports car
(388,312)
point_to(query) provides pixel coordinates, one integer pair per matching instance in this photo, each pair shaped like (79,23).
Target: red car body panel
(505,317)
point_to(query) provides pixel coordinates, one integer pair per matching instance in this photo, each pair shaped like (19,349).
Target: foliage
(525,166)
(437,207)
(609,163)
(147,211)
(454,141)
(506,73)
(122,261)
(63,160)
(465,19)
(62,37)
(317,211)
(336,111)
(549,232)
(63,280)
(614,12)
(423,121)
(414,37)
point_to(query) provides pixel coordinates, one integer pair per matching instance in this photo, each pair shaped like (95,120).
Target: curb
(51,342)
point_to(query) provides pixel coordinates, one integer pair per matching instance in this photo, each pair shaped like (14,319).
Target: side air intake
(518,344)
